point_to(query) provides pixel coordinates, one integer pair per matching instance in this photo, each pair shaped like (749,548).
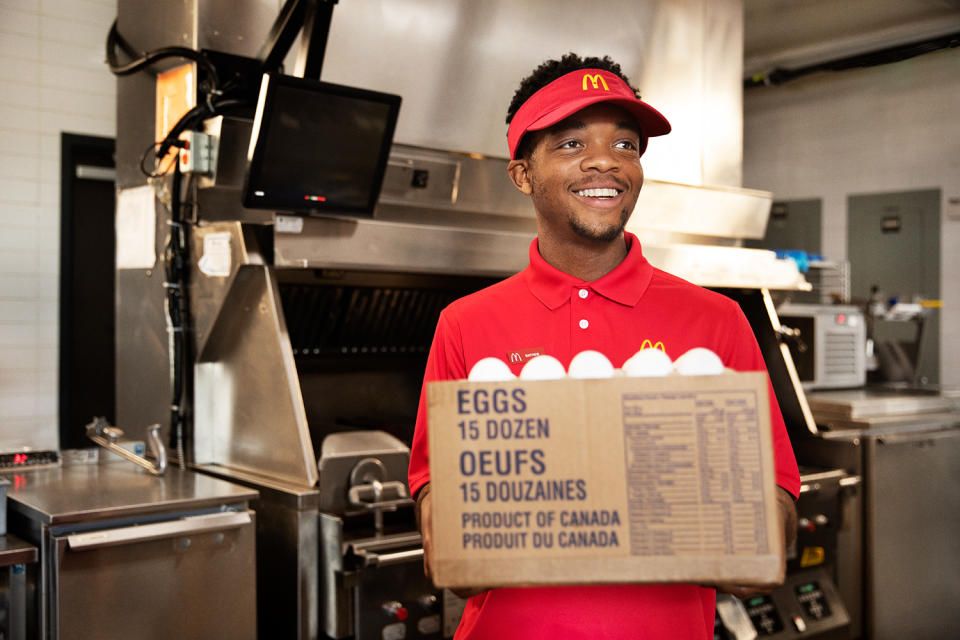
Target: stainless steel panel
(455,182)
(468,58)
(200,585)
(142,369)
(337,612)
(81,493)
(249,412)
(861,404)
(389,246)
(722,69)
(234,27)
(708,211)
(209,291)
(913,550)
(288,555)
(288,566)
(146,25)
(730,267)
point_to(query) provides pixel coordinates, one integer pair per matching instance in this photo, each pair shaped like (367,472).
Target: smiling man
(577,132)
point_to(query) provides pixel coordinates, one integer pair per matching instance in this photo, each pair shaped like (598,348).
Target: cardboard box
(620,480)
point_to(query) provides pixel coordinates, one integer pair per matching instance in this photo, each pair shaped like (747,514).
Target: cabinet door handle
(157,530)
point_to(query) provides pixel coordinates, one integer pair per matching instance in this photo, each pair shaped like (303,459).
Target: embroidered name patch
(522,355)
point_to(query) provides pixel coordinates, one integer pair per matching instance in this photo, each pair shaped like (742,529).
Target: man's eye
(569,144)
(626,144)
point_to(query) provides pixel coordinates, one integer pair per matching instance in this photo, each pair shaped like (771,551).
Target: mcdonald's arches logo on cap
(596,80)
(647,344)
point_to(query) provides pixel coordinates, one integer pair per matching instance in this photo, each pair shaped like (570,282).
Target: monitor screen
(318,147)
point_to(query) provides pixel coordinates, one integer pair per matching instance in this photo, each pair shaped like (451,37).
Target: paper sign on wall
(136,228)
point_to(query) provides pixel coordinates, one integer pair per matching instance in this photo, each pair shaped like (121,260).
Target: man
(577,131)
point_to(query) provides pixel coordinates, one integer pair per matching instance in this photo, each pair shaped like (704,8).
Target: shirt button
(583,293)
(584,324)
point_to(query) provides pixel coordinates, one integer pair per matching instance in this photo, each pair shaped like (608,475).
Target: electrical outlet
(195,155)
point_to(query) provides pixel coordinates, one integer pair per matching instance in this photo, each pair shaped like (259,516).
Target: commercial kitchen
(210,373)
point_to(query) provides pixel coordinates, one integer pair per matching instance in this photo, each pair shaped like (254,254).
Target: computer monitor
(318,147)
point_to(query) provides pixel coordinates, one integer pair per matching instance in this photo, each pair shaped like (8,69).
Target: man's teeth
(598,193)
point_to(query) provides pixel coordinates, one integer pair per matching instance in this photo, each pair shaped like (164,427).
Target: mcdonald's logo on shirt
(648,344)
(596,80)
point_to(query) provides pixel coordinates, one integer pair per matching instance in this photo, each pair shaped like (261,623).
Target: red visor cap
(578,90)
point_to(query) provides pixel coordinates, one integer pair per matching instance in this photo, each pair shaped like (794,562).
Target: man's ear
(519,172)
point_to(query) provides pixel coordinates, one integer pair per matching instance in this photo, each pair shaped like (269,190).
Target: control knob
(396,610)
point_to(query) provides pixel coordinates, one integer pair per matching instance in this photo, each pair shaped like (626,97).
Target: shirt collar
(625,284)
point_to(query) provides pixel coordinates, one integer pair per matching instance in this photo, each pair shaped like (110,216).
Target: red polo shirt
(544,310)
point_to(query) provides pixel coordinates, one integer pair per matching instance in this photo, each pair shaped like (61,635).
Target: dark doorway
(87,247)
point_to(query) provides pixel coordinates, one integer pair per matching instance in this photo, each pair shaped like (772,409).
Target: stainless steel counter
(905,445)
(126,554)
(82,493)
(877,402)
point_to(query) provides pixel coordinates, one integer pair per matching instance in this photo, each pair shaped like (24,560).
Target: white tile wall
(889,128)
(52,80)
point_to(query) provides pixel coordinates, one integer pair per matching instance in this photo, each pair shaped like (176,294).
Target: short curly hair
(549,71)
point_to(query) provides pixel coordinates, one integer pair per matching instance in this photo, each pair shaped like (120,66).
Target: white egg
(698,362)
(490,370)
(648,363)
(590,364)
(543,368)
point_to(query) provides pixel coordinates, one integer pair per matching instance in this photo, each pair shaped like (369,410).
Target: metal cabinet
(124,554)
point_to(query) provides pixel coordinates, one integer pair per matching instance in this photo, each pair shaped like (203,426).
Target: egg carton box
(615,480)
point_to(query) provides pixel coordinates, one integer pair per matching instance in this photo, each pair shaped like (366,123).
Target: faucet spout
(105,435)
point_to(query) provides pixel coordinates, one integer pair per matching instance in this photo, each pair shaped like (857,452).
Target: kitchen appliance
(808,604)
(371,556)
(898,564)
(126,554)
(828,344)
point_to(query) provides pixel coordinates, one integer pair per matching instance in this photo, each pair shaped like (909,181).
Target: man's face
(584,174)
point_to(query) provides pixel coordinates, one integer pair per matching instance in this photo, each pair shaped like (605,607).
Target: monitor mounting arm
(311,20)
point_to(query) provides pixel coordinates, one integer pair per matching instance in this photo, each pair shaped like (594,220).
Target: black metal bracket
(310,19)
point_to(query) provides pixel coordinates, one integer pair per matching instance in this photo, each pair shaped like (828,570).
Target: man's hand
(424,512)
(425,522)
(788,523)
